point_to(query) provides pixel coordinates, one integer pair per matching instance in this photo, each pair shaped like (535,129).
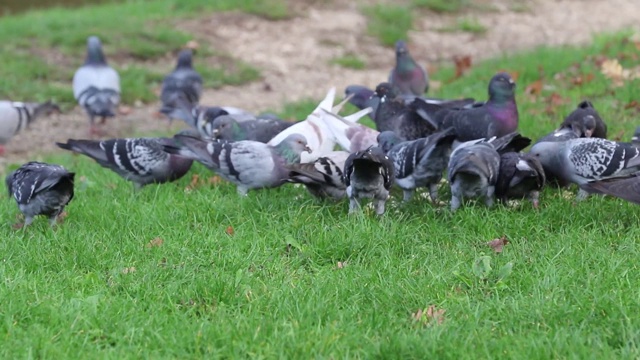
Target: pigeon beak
(307,149)
(536,204)
(588,133)
(511,81)
(214,132)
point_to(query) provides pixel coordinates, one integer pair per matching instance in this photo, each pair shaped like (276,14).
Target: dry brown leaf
(429,316)
(214,180)
(634,104)
(229,230)
(535,88)
(17,226)
(157,242)
(129,270)
(582,79)
(618,136)
(463,63)
(498,244)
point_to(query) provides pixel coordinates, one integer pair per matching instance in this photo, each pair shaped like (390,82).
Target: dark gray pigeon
(520,176)
(226,127)
(497,117)
(40,189)
(579,129)
(17,116)
(248,164)
(586,120)
(473,172)
(635,139)
(323,177)
(627,187)
(96,86)
(139,160)
(362,97)
(583,160)
(418,163)
(368,174)
(181,88)
(407,76)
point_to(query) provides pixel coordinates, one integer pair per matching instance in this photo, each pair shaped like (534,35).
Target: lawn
(190,270)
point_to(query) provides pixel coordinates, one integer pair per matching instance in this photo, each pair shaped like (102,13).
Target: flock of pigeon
(415,140)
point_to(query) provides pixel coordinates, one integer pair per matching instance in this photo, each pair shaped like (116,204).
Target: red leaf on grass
(498,244)
(429,316)
(463,63)
(229,230)
(157,242)
(535,88)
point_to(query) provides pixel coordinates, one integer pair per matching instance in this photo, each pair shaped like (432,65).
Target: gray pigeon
(368,174)
(627,187)
(323,177)
(419,162)
(579,129)
(96,86)
(40,189)
(17,116)
(635,139)
(182,88)
(585,119)
(248,164)
(407,76)
(520,176)
(139,160)
(473,172)
(584,160)
(226,127)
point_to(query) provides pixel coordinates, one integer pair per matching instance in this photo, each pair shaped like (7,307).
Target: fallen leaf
(535,88)
(582,79)
(341,264)
(463,63)
(214,180)
(634,104)
(157,242)
(429,316)
(17,226)
(129,270)
(63,215)
(229,230)
(498,244)
(194,180)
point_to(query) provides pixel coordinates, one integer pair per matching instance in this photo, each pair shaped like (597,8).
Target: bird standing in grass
(407,76)
(182,88)
(40,189)
(368,174)
(96,86)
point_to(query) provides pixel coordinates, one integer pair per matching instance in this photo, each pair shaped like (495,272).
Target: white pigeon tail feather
(356,116)
(336,109)
(326,103)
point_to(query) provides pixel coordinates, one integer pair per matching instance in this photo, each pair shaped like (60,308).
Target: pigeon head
(502,87)
(291,147)
(95,56)
(48,108)
(359,95)
(401,48)
(549,153)
(387,140)
(185,59)
(385,91)
(212,113)
(226,127)
(585,104)
(586,127)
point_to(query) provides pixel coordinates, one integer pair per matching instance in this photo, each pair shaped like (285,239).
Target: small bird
(182,88)
(40,189)
(420,162)
(96,86)
(473,172)
(585,160)
(226,127)
(626,187)
(324,177)
(142,161)
(635,139)
(248,164)
(407,76)
(520,175)
(368,174)
(17,116)
(586,120)
(497,117)
(350,135)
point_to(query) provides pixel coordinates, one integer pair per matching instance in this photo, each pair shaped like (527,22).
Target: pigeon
(350,135)
(362,98)
(627,187)
(17,116)
(368,174)
(583,160)
(226,127)
(583,117)
(512,142)
(635,139)
(96,86)
(418,162)
(473,172)
(407,76)
(579,129)
(497,117)
(323,177)
(139,160)
(41,189)
(520,175)
(248,164)
(181,88)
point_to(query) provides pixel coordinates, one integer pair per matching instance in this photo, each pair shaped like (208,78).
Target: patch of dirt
(294,55)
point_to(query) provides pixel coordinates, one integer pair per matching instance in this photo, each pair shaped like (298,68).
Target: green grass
(389,23)
(350,62)
(442,6)
(52,44)
(466,24)
(273,289)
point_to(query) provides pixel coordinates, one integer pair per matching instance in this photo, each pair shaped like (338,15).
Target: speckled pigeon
(17,116)
(407,76)
(248,164)
(627,187)
(497,117)
(40,189)
(420,162)
(182,88)
(583,160)
(582,120)
(473,172)
(139,160)
(368,174)
(323,177)
(350,135)
(96,86)
(520,176)
(226,127)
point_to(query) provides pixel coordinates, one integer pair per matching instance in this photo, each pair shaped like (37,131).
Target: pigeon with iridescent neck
(408,76)
(226,127)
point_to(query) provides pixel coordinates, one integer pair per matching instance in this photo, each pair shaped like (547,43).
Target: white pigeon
(17,116)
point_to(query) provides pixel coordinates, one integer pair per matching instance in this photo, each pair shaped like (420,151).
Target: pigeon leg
(407,195)
(52,220)
(433,192)
(455,203)
(27,221)
(582,195)
(535,196)
(379,204)
(242,191)
(353,205)
(488,201)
